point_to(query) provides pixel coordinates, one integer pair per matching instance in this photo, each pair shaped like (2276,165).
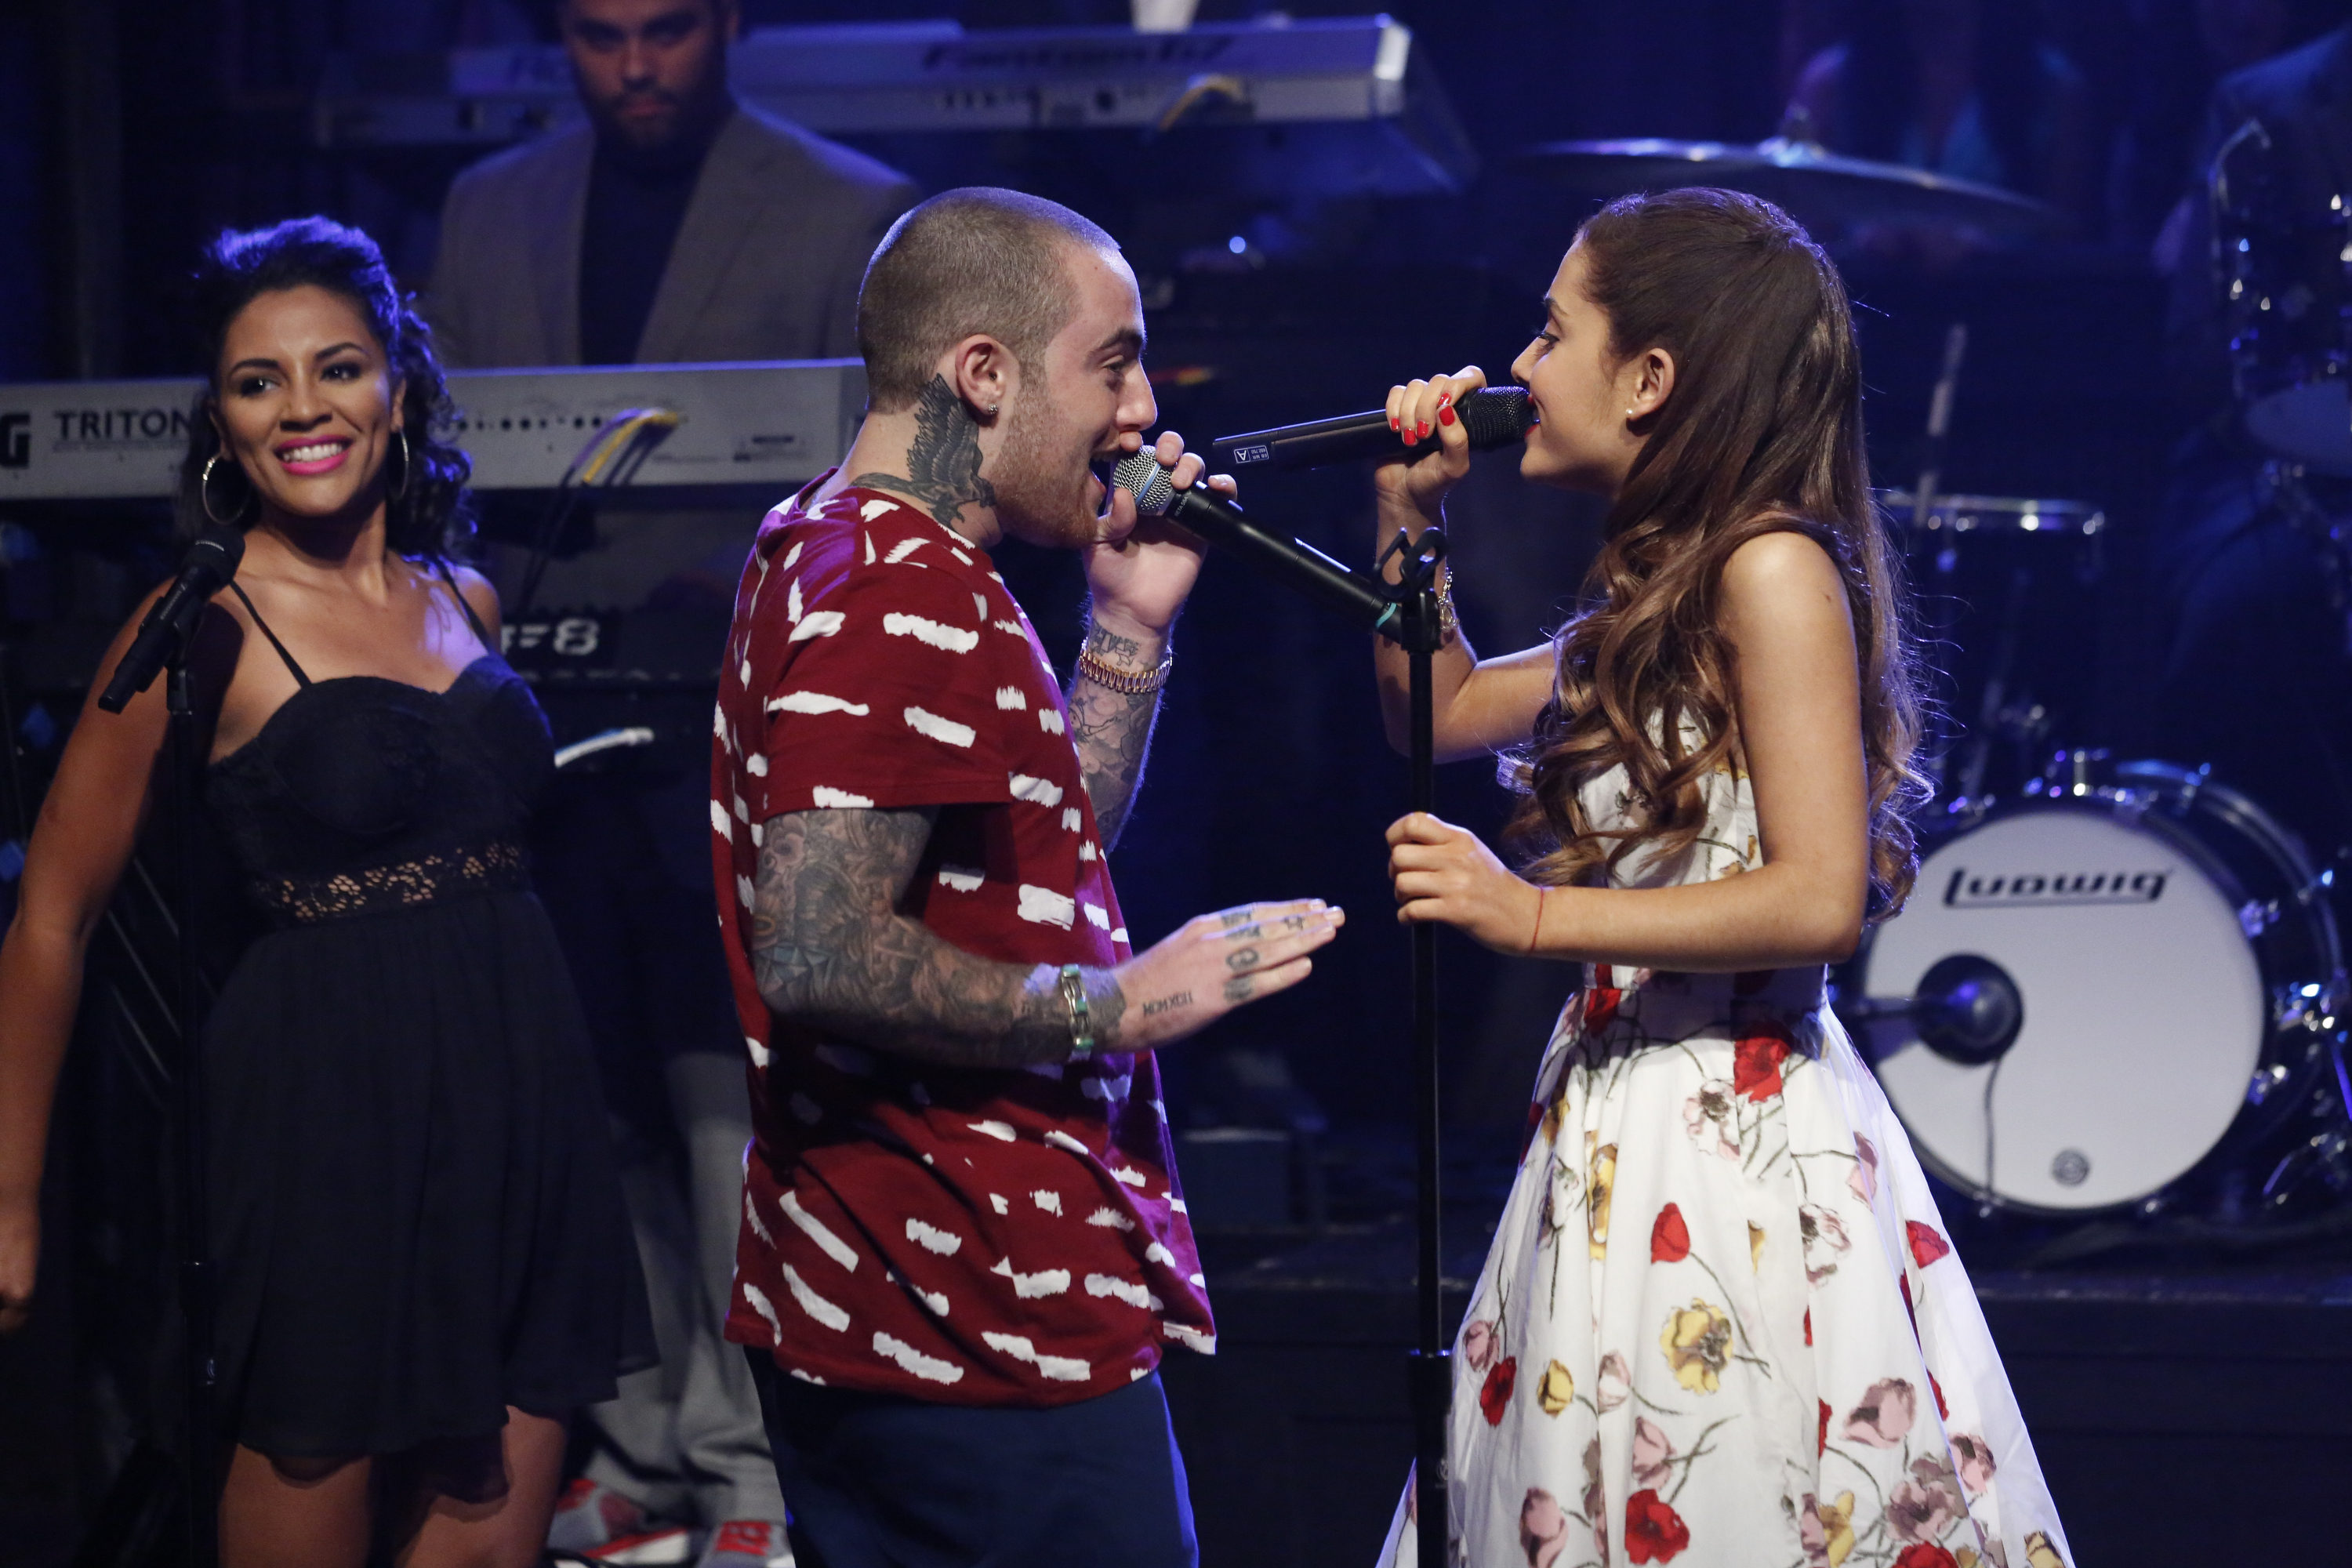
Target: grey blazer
(766,266)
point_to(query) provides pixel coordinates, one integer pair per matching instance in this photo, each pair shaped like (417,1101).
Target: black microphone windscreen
(1496,415)
(220,550)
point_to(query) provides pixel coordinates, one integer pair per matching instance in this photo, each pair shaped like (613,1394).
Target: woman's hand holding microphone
(1411,488)
(1443,873)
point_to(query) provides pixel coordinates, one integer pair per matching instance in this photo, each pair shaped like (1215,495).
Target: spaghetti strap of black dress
(415,1209)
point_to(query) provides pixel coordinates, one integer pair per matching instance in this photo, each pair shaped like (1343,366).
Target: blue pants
(876,1481)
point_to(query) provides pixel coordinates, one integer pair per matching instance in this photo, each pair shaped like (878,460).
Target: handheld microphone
(1220,521)
(1496,416)
(204,570)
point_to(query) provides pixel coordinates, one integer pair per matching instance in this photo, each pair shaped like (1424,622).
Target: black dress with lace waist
(414,1203)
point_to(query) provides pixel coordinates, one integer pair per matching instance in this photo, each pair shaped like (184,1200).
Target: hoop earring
(393,492)
(205,496)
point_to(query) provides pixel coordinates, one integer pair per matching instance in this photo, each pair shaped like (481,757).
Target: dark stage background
(2180,1422)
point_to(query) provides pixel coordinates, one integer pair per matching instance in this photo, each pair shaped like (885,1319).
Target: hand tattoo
(829,948)
(1240,988)
(1242,961)
(1181,999)
(1112,732)
(944,458)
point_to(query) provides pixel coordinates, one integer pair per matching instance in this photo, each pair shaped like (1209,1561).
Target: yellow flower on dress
(2039,1553)
(1557,1392)
(1837,1527)
(1966,1557)
(1698,1343)
(1755,1245)
(1599,1179)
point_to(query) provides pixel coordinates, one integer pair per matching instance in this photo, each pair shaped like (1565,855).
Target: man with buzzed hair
(669,223)
(964,1246)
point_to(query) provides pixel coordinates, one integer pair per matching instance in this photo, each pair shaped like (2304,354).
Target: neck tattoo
(943,458)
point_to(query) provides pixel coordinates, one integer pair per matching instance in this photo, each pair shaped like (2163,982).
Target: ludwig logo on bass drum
(2033,889)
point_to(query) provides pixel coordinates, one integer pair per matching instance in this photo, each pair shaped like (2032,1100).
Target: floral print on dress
(1793,1370)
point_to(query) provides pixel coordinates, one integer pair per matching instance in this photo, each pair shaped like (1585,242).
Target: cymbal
(1821,189)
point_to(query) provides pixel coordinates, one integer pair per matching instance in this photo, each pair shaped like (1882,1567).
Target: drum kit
(2117,993)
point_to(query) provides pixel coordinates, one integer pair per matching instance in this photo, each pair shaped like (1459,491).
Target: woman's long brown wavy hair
(1762,432)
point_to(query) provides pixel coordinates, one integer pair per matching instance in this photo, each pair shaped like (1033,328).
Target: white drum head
(2144,1009)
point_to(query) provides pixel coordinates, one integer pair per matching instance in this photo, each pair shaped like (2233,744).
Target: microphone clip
(1415,621)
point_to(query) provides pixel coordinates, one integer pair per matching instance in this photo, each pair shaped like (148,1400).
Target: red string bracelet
(1543,891)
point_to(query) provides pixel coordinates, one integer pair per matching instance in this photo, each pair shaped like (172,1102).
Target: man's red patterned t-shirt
(962,1235)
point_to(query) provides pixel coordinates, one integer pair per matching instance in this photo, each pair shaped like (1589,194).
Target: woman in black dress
(423,1257)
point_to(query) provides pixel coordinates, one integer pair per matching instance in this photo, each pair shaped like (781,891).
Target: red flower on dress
(1756,1061)
(1809,1330)
(1601,1007)
(1924,1554)
(1926,1245)
(1495,1393)
(1943,1411)
(1822,1442)
(1655,1533)
(1669,1237)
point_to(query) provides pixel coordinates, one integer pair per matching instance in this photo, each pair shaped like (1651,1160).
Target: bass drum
(2162,959)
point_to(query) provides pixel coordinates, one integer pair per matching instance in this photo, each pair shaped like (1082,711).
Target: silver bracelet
(1449,625)
(1074,997)
(1126,683)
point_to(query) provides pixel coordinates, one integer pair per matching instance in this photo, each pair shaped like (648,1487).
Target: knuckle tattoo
(1244,961)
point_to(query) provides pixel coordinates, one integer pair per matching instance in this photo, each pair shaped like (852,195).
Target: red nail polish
(1446,416)
(1392,424)
(1424,427)
(1443,399)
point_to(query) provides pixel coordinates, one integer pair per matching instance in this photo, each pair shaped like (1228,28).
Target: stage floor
(2191,1416)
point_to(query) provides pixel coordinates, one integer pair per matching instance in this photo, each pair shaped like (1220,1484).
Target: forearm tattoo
(1112,732)
(943,458)
(829,949)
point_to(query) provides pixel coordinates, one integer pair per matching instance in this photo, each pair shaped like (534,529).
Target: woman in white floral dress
(1721,1321)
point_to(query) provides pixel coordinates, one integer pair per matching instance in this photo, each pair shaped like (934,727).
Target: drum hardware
(2281,271)
(1957,514)
(2325,1154)
(1939,427)
(2287,489)
(2003,712)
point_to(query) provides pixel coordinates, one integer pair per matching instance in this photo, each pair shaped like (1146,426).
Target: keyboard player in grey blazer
(671,224)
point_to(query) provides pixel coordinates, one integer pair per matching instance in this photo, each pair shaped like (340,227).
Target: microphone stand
(183,759)
(1420,636)
(1405,613)
(182,763)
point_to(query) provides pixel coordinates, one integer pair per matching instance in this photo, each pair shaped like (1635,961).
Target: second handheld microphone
(1220,521)
(1496,416)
